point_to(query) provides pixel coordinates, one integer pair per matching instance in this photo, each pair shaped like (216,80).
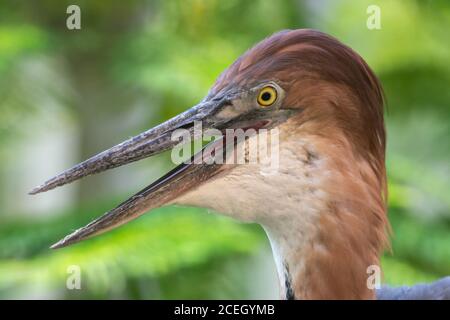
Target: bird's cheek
(224,196)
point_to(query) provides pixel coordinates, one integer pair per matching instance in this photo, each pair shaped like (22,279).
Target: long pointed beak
(175,183)
(146,144)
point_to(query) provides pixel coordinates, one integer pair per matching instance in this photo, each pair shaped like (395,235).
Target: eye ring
(267,96)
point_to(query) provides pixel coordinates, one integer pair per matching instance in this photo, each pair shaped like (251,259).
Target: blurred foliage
(169,239)
(168,53)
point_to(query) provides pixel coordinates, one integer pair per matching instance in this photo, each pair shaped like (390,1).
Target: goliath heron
(324,210)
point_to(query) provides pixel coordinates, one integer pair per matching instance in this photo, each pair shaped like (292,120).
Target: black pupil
(266,96)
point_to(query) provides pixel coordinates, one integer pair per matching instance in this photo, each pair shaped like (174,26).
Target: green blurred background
(66,95)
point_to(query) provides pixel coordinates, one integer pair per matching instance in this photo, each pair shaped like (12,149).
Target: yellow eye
(267,96)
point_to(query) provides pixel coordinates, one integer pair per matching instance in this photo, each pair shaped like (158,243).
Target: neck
(325,248)
(323,211)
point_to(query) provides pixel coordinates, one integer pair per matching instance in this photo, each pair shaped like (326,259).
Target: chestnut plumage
(324,210)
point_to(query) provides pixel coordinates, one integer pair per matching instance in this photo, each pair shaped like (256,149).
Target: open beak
(158,139)
(181,179)
(176,182)
(146,144)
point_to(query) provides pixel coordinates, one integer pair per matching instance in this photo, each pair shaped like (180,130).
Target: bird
(324,207)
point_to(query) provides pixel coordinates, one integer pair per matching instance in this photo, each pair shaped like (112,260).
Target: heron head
(303,83)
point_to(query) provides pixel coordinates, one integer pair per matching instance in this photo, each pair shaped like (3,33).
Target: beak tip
(61,243)
(56,246)
(40,188)
(74,237)
(35,190)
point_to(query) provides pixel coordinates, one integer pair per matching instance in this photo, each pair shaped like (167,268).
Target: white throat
(287,204)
